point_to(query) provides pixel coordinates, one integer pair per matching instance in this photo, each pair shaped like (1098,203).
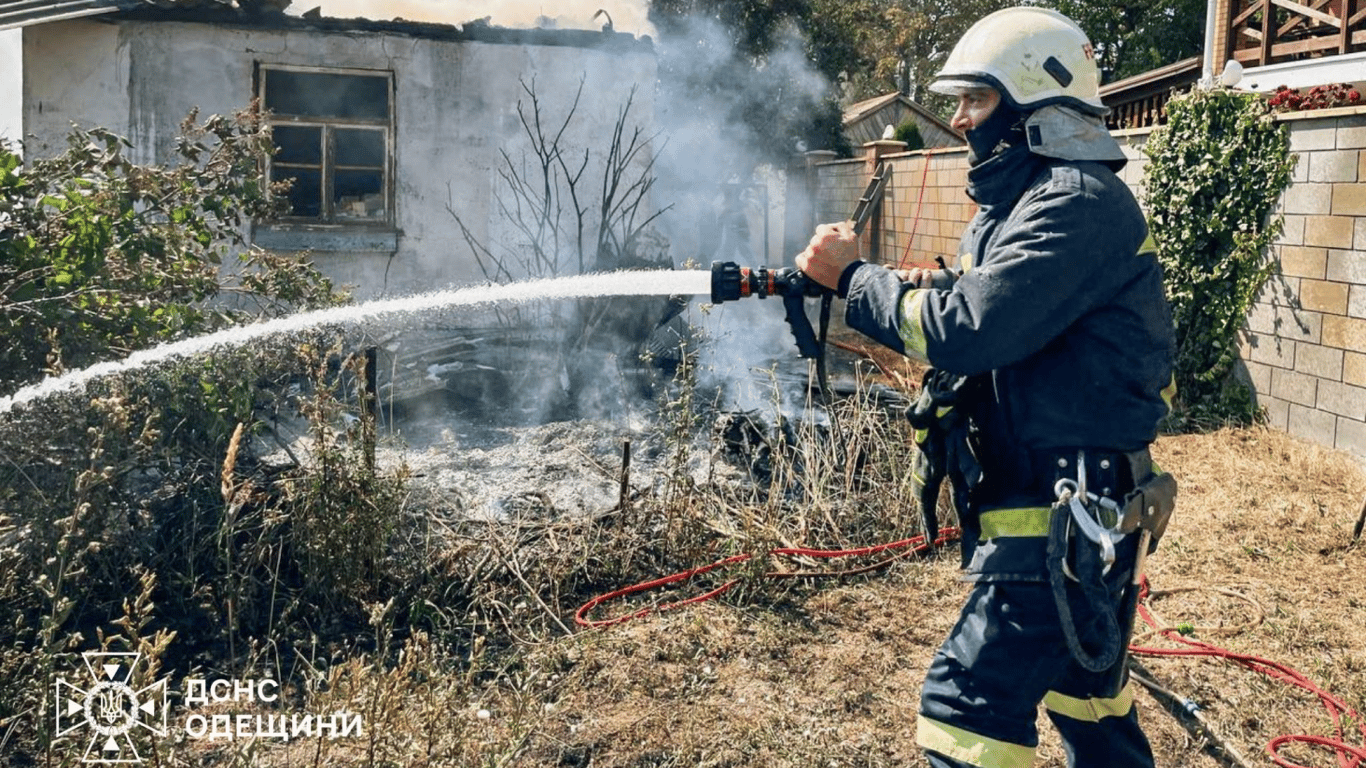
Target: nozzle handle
(794,304)
(731,282)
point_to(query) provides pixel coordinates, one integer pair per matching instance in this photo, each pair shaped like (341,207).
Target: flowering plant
(1319,97)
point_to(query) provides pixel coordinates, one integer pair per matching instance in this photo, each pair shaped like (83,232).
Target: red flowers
(1319,97)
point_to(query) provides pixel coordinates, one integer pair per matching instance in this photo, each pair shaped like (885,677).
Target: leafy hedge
(1217,170)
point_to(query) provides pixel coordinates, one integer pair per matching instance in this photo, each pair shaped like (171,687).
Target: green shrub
(1218,168)
(909,132)
(100,256)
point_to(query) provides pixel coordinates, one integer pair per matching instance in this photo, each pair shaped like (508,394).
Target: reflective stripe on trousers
(1005,655)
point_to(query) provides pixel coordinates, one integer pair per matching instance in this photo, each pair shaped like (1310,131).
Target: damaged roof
(270,13)
(21,13)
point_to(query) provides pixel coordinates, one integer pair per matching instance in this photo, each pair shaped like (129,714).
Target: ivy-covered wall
(1304,347)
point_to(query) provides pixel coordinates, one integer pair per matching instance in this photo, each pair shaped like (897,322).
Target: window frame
(329,216)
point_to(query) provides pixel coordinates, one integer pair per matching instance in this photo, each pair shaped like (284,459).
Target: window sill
(339,238)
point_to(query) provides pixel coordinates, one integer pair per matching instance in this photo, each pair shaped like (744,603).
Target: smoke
(628,17)
(729,125)
(731,131)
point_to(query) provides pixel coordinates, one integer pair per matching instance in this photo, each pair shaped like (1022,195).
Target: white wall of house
(11,84)
(455,111)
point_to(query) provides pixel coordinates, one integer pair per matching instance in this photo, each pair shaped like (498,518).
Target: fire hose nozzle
(731,282)
(728,281)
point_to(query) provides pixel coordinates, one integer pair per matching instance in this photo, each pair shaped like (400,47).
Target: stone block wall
(1304,347)
(925,209)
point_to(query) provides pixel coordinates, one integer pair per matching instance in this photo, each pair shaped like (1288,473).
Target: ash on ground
(467,462)
(570,468)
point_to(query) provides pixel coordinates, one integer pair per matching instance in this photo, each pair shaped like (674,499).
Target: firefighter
(1055,319)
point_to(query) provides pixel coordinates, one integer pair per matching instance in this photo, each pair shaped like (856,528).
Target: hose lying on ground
(1348,756)
(905,548)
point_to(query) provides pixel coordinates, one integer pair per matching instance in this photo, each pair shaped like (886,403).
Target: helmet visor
(959,85)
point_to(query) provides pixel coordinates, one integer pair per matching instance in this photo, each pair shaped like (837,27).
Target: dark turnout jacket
(1056,302)
(1058,312)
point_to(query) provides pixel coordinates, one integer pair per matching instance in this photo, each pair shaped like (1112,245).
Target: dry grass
(826,672)
(813,672)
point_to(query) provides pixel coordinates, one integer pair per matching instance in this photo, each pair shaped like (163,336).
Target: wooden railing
(1141,101)
(1141,113)
(1298,30)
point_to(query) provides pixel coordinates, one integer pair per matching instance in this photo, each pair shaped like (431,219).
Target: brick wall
(925,208)
(1304,346)
(923,204)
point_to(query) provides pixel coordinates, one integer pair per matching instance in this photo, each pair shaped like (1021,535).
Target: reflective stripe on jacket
(1059,305)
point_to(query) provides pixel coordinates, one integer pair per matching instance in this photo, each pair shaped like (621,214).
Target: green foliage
(1218,168)
(100,256)
(1133,36)
(874,47)
(909,132)
(882,46)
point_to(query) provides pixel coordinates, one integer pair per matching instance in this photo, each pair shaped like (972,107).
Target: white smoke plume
(630,17)
(705,147)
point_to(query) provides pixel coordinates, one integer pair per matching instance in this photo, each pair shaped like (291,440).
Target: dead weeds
(815,673)
(807,673)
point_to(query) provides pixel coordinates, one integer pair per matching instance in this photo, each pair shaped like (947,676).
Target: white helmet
(1033,56)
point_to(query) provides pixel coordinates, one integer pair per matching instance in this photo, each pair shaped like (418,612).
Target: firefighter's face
(975,105)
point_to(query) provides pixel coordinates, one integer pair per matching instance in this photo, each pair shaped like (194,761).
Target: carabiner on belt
(1096,516)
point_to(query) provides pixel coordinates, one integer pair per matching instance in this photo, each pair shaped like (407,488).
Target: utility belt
(1085,528)
(1110,474)
(1015,502)
(1034,474)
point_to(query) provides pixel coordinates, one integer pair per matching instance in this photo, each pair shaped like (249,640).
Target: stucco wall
(11,84)
(1304,346)
(455,111)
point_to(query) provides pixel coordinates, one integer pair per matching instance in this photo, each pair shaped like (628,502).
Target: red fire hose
(1348,756)
(911,546)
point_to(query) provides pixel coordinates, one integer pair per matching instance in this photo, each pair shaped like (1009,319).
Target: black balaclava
(1003,128)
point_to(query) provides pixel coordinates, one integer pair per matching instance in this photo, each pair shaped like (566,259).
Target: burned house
(414,149)
(390,130)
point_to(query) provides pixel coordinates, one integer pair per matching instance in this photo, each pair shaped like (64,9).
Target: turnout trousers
(1005,655)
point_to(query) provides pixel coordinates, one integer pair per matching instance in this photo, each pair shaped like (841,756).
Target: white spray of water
(626,283)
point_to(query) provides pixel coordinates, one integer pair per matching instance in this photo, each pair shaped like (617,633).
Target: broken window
(332,132)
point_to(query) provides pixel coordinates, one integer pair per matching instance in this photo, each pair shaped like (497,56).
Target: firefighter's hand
(833,248)
(917,277)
